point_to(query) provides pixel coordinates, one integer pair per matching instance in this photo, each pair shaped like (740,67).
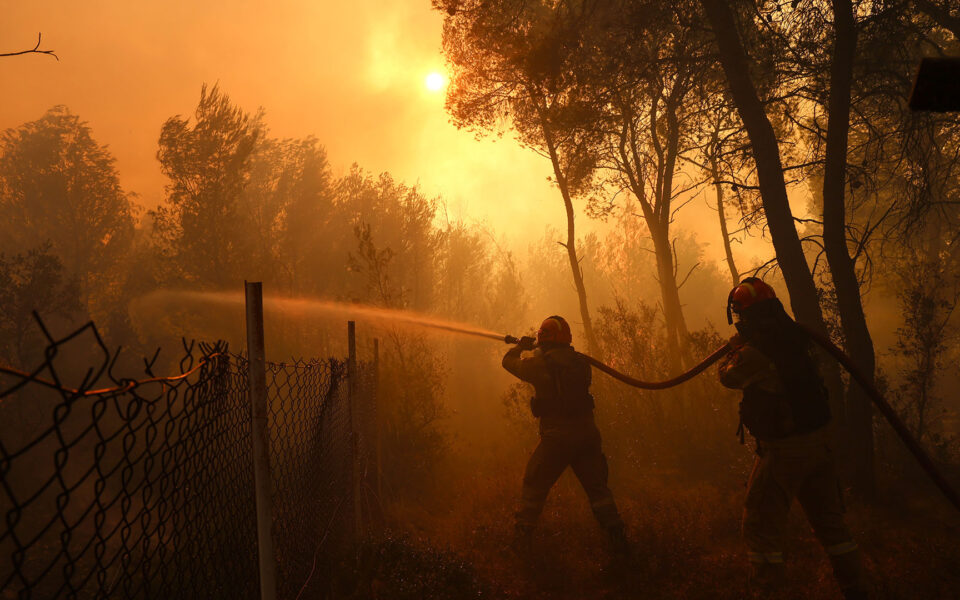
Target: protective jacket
(785,407)
(568,434)
(783,393)
(560,376)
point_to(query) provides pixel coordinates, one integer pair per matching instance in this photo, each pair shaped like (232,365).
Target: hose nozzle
(526,342)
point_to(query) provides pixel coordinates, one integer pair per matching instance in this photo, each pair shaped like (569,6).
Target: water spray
(309,306)
(408,318)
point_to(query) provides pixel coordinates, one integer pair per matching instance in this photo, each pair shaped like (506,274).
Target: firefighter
(568,435)
(785,407)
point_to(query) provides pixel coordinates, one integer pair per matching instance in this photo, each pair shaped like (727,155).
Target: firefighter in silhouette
(785,407)
(568,434)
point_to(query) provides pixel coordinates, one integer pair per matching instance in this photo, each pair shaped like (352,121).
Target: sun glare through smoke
(435,81)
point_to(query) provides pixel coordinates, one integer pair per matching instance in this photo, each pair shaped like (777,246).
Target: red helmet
(554,329)
(749,292)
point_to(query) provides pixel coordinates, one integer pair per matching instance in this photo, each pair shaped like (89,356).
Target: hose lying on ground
(875,396)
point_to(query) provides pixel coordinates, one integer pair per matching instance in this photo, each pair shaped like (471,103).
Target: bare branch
(35,50)
(689,273)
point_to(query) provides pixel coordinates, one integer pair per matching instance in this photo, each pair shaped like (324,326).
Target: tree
(720,132)
(644,63)
(767,156)
(32,281)
(941,13)
(856,335)
(862,87)
(307,188)
(59,186)
(921,259)
(770,172)
(507,58)
(393,224)
(463,269)
(925,337)
(202,229)
(842,71)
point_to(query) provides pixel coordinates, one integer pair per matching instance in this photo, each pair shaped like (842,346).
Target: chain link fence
(144,488)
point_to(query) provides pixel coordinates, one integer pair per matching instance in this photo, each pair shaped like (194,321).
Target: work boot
(855,594)
(522,543)
(767,580)
(621,559)
(848,570)
(619,544)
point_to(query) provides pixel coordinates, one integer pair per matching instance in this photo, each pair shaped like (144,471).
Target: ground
(686,539)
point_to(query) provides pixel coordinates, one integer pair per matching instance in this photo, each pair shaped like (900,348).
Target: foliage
(927,339)
(35,281)
(393,226)
(410,400)
(59,187)
(201,227)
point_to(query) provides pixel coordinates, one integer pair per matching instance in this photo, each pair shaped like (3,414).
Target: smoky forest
(443,299)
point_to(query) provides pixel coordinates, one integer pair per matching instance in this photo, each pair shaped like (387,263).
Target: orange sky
(350,73)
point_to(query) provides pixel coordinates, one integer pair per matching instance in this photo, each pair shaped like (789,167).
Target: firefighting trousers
(802,468)
(566,443)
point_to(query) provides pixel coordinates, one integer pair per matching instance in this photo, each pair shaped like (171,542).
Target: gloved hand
(527,342)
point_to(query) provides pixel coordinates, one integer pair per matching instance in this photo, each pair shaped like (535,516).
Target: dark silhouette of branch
(35,50)
(941,16)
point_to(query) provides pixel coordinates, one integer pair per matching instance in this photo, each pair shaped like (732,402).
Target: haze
(350,73)
(732,210)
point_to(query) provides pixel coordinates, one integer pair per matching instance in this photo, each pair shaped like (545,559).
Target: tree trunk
(766,155)
(672,309)
(571,245)
(773,190)
(857,342)
(657,217)
(715,173)
(677,333)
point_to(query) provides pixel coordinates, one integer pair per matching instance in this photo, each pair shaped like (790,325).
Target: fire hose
(912,444)
(700,367)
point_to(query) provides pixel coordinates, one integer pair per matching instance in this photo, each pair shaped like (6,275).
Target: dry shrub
(412,413)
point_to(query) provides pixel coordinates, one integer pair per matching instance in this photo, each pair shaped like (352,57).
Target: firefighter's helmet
(554,329)
(750,291)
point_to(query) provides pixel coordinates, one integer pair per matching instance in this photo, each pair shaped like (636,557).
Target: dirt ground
(685,537)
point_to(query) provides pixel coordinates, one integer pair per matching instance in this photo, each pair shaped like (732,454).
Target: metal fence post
(354,392)
(375,403)
(261,441)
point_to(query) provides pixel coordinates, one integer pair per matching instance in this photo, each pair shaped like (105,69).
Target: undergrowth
(685,537)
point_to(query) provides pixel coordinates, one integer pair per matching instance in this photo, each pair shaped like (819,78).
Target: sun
(435,81)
